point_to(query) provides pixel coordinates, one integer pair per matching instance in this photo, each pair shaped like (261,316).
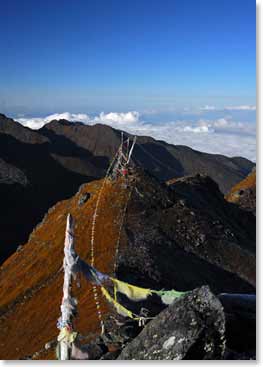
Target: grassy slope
(30,322)
(247,183)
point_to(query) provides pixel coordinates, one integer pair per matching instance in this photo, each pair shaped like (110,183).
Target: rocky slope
(183,235)
(39,168)
(9,127)
(31,181)
(10,175)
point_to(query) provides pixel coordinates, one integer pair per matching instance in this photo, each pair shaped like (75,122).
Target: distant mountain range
(40,168)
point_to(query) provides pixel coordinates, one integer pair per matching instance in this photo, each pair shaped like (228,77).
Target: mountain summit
(147,233)
(39,168)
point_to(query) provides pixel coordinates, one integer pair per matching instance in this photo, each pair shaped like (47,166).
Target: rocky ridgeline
(181,236)
(40,168)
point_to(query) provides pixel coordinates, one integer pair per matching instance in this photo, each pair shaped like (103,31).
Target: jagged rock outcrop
(200,230)
(171,238)
(62,155)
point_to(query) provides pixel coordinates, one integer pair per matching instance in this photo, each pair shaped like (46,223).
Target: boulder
(192,327)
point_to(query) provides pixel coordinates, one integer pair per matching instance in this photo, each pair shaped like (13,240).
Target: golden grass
(247,183)
(35,272)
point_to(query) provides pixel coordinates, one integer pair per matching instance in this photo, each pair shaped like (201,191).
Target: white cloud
(196,129)
(241,108)
(208,108)
(117,118)
(38,122)
(221,136)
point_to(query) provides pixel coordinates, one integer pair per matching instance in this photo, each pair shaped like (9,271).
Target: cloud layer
(230,108)
(241,108)
(222,135)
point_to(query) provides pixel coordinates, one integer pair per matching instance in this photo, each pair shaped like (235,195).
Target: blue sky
(120,55)
(183,71)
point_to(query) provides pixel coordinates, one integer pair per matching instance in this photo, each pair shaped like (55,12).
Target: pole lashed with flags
(68,306)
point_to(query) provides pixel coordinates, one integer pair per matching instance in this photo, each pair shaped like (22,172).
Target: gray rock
(191,328)
(83,198)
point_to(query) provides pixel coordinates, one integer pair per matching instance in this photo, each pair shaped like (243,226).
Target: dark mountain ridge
(39,168)
(163,160)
